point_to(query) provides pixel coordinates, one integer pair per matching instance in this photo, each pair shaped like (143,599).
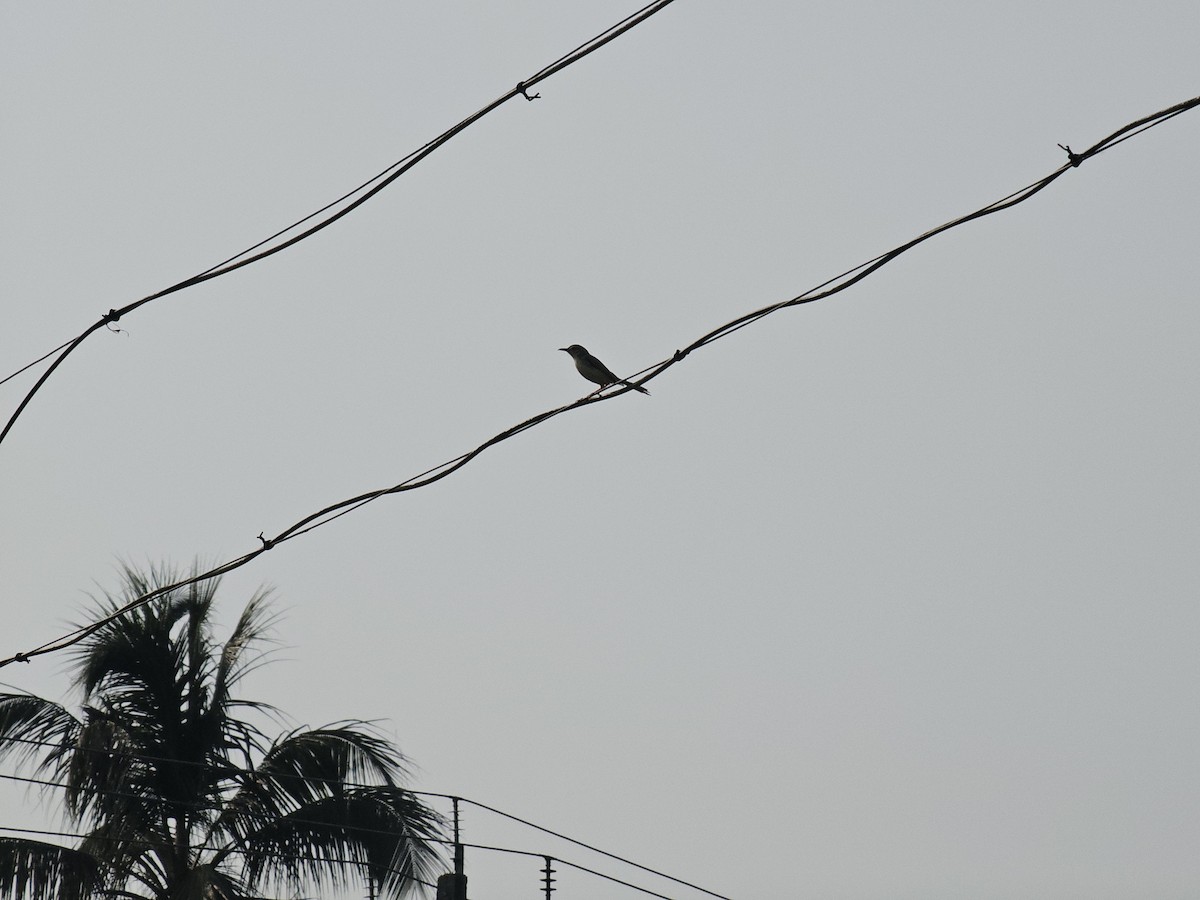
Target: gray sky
(888,596)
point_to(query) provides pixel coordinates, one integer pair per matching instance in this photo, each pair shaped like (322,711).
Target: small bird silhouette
(595,371)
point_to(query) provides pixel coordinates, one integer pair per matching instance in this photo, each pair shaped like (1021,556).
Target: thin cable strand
(337,510)
(205,807)
(32,364)
(156,844)
(237,770)
(579,843)
(150,845)
(385,178)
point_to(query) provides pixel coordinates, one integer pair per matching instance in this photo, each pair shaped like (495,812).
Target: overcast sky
(888,596)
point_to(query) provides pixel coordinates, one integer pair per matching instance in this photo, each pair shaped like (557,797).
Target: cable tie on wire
(109,318)
(20,657)
(525,91)
(679,355)
(1074,158)
(267,543)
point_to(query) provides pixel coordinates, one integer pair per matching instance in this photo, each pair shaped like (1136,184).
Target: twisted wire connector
(1074,158)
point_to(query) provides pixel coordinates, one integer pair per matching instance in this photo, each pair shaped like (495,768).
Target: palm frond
(134,850)
(135,645)
(253,628)
(209,882)
(384,833)
(152,671)
(33,728)
(341,752)
(240,655)
(105,776)
(184,797)
(303,767)
(35,870)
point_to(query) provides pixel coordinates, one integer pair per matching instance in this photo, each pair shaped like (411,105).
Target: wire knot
(267,543)
(679,355)
(525,92)
(1074,158)
(111,316)
(20,657)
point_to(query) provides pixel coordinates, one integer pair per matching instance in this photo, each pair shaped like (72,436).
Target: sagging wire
(163,845)
(368,189)
(156,845)
(455,842)
(430,476)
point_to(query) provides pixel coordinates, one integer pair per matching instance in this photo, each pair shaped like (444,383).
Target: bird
(595,371)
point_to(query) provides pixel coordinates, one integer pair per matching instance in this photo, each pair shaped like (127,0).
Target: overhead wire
(573,865)
(828,288)
(207,807)
(614,856)
(367,189)
(150,845)
(13,375)
(232,770)
(45,832)
(445,841)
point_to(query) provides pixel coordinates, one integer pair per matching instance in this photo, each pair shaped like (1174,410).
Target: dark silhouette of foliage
(179,796)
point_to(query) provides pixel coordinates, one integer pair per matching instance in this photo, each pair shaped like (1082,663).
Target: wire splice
(1073,158)
(524,91)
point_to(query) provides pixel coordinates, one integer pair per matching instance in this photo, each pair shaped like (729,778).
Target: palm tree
(178,797)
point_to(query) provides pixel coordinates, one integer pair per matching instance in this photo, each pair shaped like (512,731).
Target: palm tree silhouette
(178,797)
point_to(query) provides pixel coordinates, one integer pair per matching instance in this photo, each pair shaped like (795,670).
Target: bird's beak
(563,349)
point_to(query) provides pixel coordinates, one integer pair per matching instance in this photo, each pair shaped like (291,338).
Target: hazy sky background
(888,596)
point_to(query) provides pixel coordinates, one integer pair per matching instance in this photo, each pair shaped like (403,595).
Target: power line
(429,476)
(485,847)
(151,845)
(367,189)
(237,770)
(572,840)
(572,865)
(13,375)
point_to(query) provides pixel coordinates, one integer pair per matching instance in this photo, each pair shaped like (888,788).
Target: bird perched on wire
(595,371)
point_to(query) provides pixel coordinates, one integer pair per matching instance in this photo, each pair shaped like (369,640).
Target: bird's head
(575,350)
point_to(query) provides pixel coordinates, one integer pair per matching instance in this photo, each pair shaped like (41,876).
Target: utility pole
(548,877)
(453,885)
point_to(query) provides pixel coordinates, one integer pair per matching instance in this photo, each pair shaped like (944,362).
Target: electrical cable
(475,803)
(572,840)
(385,178)
(484,847)
(150,845)
(429,476)
(13,375)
